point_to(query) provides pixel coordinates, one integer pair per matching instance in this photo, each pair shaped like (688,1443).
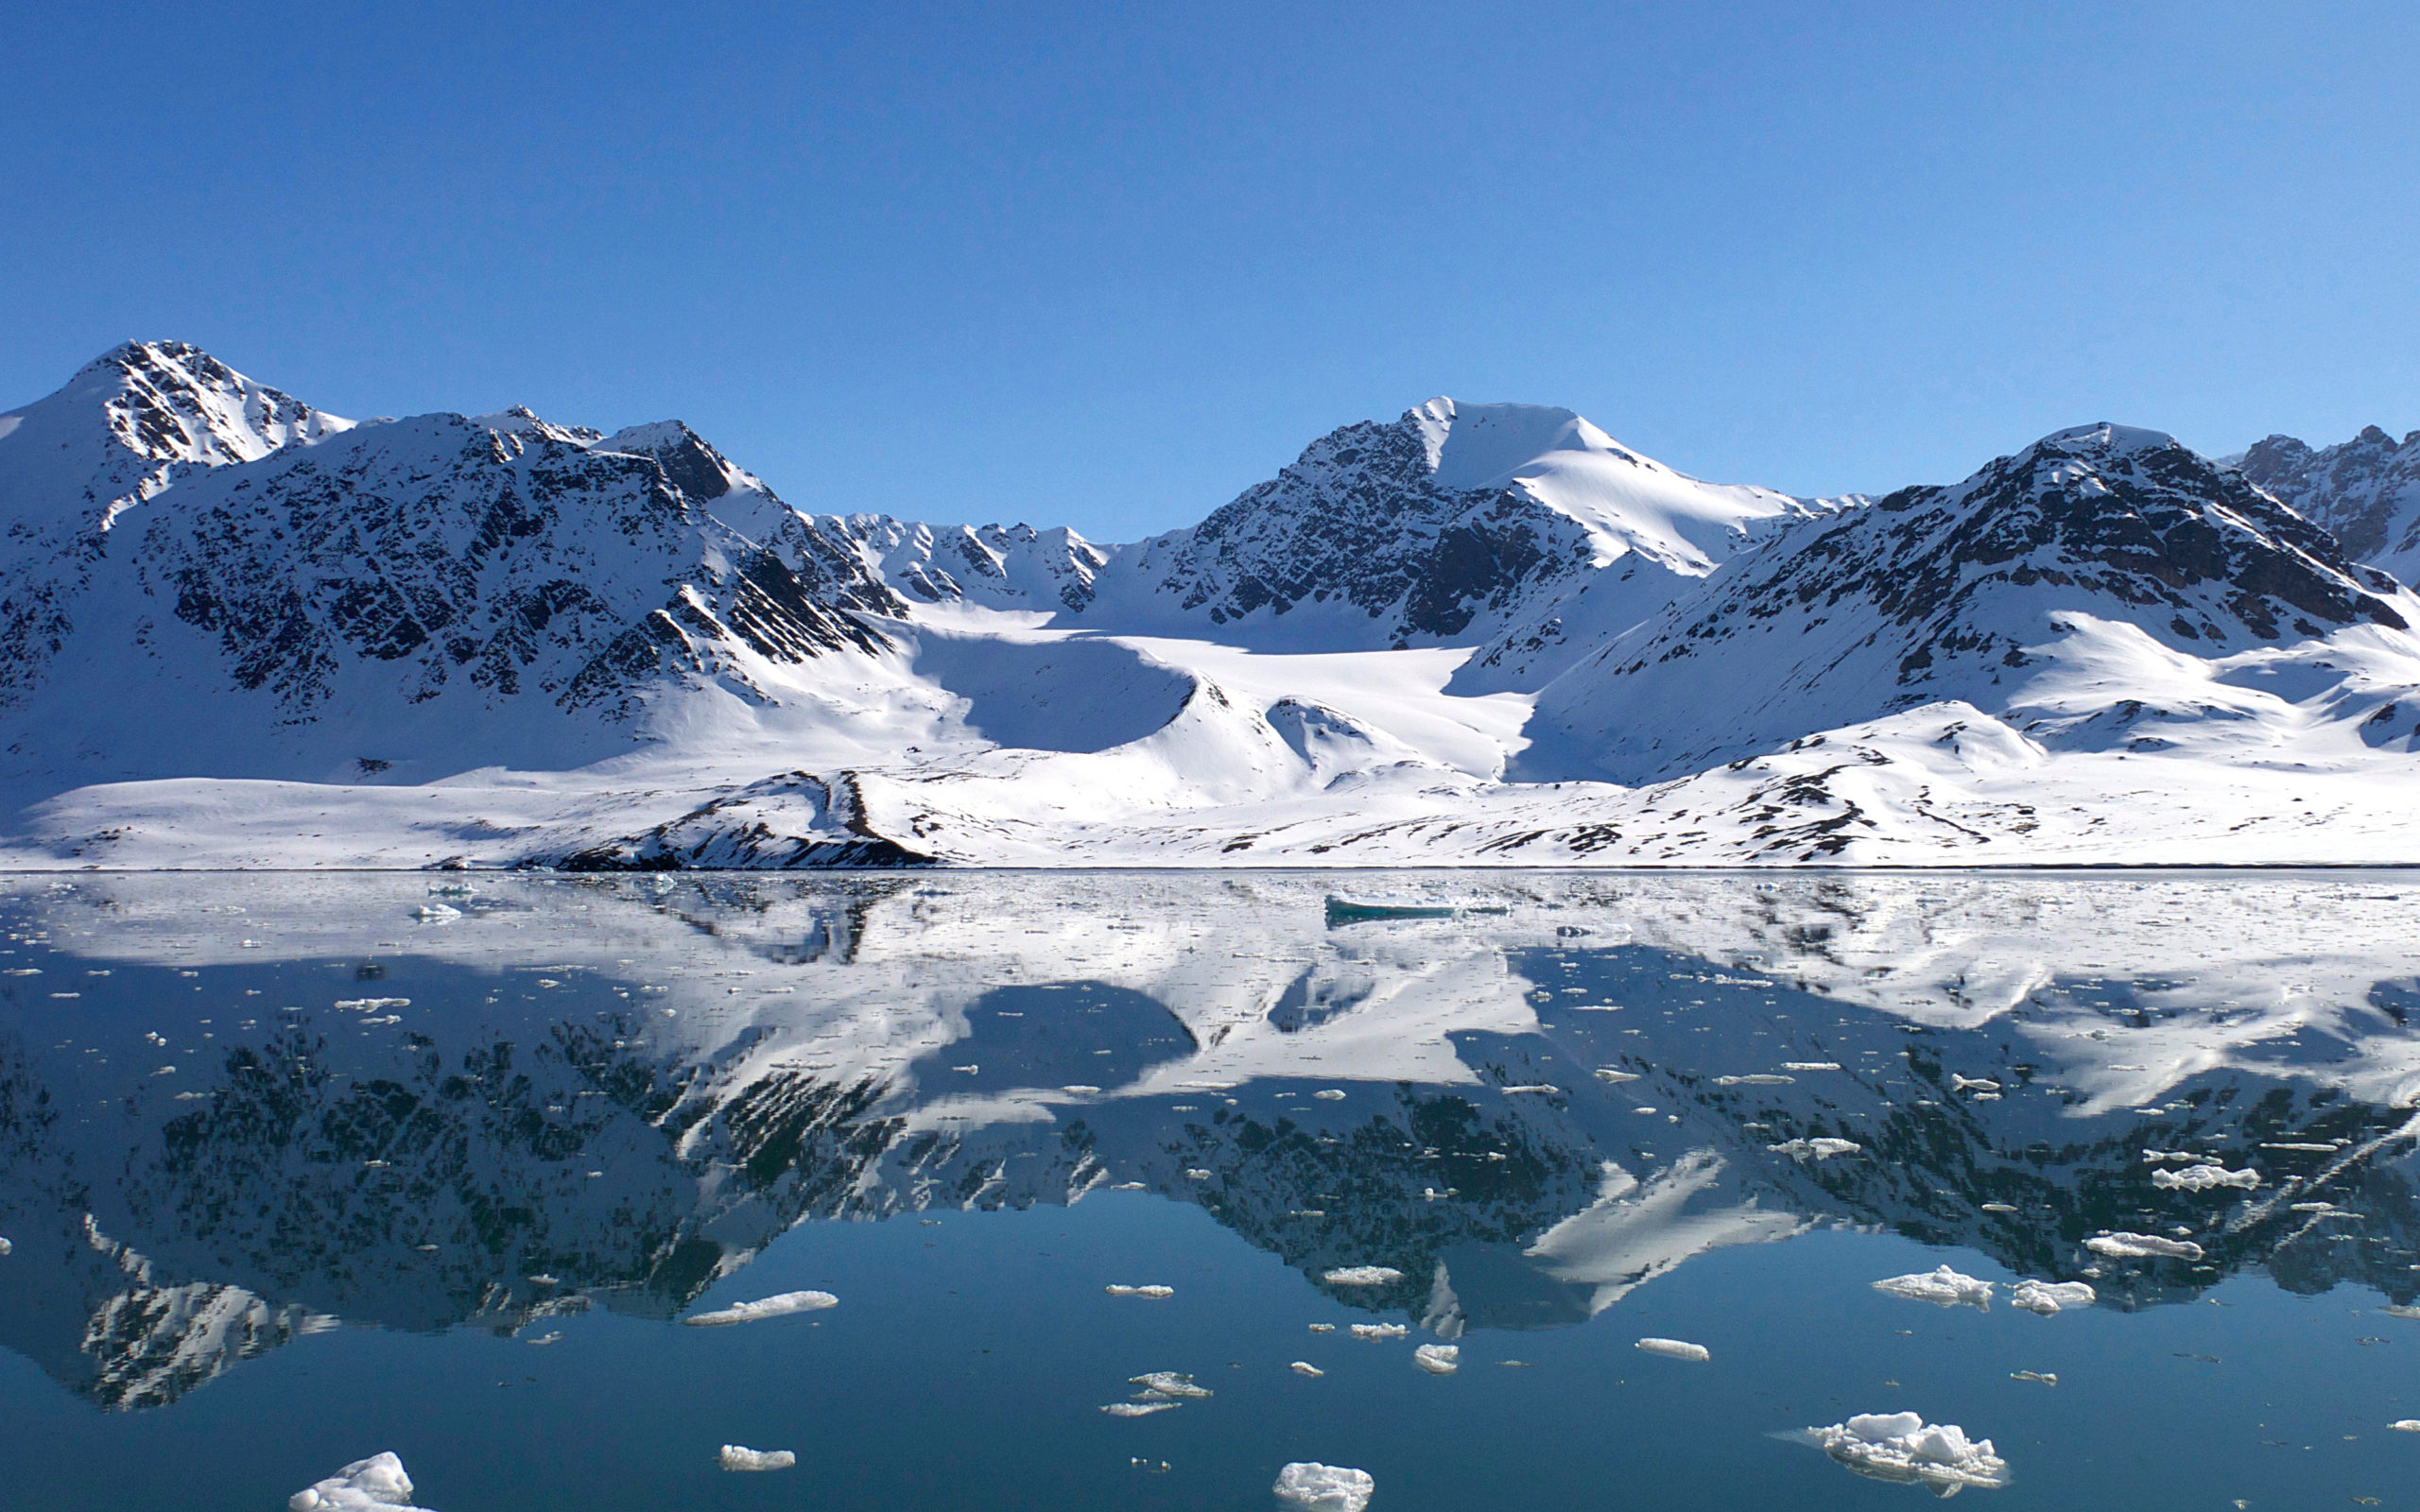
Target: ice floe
(1379,1330)
(1674,1348)
(780,1306)
(2406,1425)
(364,1486)
(1943,1288)
(1613,1077)
(1315,1488)
(2123,1246)
(1816,1149)
(1138,1409)
(1167,1383)
(1438,1359)
(1330,1095)
(2203,1178)
(1363,1276)
(1811,1065)
(2047,1378)
(1154,1292)
(5,1247)
(2050,1299)
(1901,1447)
(740,1457)
(1972,1084)
(1761,1078)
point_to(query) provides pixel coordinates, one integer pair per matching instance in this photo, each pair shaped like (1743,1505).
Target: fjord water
(299,1169)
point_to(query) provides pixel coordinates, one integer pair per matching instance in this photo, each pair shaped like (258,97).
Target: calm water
(293,1175)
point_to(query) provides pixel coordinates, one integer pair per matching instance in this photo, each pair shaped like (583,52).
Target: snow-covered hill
(242,633)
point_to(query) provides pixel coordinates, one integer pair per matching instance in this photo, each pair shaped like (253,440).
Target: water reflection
(234,1111)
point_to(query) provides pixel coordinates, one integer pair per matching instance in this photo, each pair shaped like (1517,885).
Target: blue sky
(1108,265)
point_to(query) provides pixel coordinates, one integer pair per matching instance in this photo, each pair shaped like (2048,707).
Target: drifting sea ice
(2123,1246)
(1761,1078)
(1317,1487)
(1811,1065)
(1305,1367)
(740,1457)
(1167,1383)
(5,1247)
(1943,1288)
(364,1486)
(1379,1330)
(1675,1349)
(1902,1448)
(780,1306)
(1154,1292)
(1363,1276)
(2406,1425)
(2203,1178)
(1816,1149)
(2050,1299)
(1438,1359)
(1139,1409)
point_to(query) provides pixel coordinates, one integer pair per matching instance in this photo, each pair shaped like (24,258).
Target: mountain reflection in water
(235,1111)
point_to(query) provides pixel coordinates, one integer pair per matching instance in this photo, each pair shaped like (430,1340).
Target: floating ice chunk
(1613,1077)
(437,912)
(1438,1359)
(780,1306)
(1761,1078)
(2122,1246)
(544,1338)
(2203,1178)
(1140,1409)
(1197,1174)
(1901,1447)
(5,1247)
(364,1486)
(1154,1292)
(1943,1288)
(1816,1149)
(1330,1094)
(1532,1086)
(2304,1147)
(1323,1328)
(2047,1378)
(1128,1186)
(2406,1425)
(1811,1065)
(1972,1084)
(2391,1310)
(1675,1349)
(1079,1089)
(1379,1330)
(1305,1367)
(1998,1206)
(1317,1487)
(373,1004)
(1167,1383)
(2050,1299)
(1363,1276)
(740,1457)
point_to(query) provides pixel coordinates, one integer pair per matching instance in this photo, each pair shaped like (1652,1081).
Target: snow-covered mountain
(241,632)
(2367,490)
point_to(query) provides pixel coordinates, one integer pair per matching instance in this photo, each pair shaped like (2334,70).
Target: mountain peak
(2104,439)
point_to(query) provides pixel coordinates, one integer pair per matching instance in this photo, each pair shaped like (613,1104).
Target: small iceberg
(1161,1383)
(756,1311)
(1675,1350)
(2123,1246)
(377,1484)
(2203,1178)
(1379,1330)
(2051,1299)
(2406,1425)
(1315,1488)
(1811,1065)
(1363,1276)
(1438,1359)
(1139,1409)
(1972,1084)
(1305,1367)
(1339,911)
(437,912)
(1901,1447)
(2045,1378)
(1943,1288)
(740,1457)
(1816,1149)
(1155,1293)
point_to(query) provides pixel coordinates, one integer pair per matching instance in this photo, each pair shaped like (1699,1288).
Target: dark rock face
(1360,518)
(2367,490)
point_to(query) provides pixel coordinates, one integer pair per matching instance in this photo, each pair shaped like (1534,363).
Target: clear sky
(1108,265)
